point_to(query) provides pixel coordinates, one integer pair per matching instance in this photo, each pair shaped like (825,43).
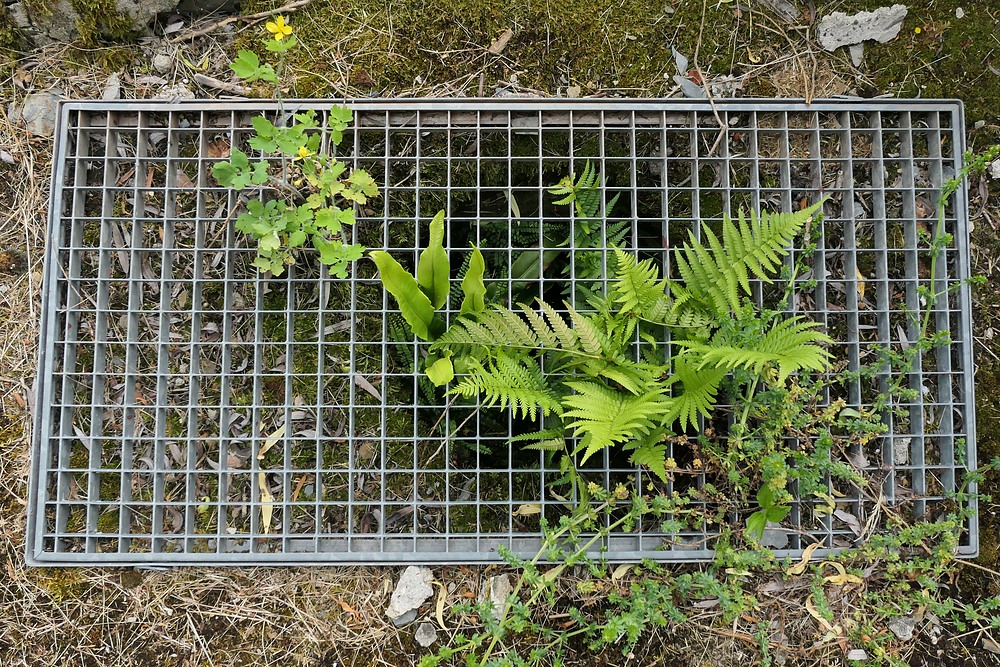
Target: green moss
(949,57)
(61,584)
(575,39)
(100,21)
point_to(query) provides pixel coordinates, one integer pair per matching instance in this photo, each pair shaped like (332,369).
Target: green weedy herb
(304,197)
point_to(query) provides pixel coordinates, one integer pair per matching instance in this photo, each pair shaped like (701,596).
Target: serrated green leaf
(246,64)
(433,266)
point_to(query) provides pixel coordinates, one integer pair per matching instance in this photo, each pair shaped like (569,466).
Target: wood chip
(498,46)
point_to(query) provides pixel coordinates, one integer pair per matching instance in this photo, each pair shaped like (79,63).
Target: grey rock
(857,52)
(425,635)
(163,63)
(39,112)
(413,589)
(497,588)
(58,23)
(858,654)
(840,29)
(959,13)
(112,88)
(994,169)
(199,7)
(405,619)
(903,627)
(178,92)
(775,537)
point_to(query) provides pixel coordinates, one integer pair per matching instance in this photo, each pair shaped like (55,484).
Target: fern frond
(790,345)
(605,417)
(514,382)
(638,288)
(651,455)
(591,338)
(546,440)
(701,388)
(715,275)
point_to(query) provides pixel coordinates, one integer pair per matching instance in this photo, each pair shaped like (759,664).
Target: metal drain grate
(192,412)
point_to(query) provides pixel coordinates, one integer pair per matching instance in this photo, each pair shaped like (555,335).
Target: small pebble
(163,63)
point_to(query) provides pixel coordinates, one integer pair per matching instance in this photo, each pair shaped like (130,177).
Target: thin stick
(188,36)
(225,86)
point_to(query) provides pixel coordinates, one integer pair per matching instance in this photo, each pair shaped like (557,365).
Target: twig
(188,36)
(212,82)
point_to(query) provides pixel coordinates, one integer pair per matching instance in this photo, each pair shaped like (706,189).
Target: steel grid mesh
(191,411)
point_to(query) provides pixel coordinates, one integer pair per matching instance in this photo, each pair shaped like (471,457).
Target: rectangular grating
(191,411)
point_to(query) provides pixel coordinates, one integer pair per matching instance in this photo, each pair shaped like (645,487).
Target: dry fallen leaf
(266,508)
(271,441)
(842,578)
(621,571)
(527,510)
(800,567)
(363,382)
(439,608)
(861,284)
(218,149)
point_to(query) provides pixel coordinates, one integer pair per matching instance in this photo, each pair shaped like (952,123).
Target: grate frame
(148,506)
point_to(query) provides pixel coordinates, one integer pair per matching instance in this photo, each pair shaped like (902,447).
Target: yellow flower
(278,28)
(303,153)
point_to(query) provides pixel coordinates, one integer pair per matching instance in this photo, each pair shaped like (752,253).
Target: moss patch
(401,45)
(939,55)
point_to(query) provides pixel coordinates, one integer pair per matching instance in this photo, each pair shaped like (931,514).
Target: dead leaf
(800,567)
(527,509)
(851,521)
(861,284)
(811,608)
(271,441)
(621,571)
(183,181)
(439,607)
(363,382)
(842,578)
(218,149)
(348,608)
(266,500)
(990,644)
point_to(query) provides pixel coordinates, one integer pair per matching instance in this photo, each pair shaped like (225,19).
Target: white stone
(413,589)
(425,635)
(840,29)
(903,627)
(959,13)
(497,588)
(163,63)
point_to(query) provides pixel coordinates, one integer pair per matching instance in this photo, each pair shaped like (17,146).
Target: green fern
(714,276)
(509,382)
(605,417)
(790,345)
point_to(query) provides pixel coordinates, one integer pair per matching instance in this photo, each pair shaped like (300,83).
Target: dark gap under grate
(168,362)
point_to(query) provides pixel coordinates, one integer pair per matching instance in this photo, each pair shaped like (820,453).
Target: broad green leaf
(246,64)
(777,514)
(765,497)
(297,238)
(433,267)
(259,175)
(224,173)
(473,286)
(756,523)
(441,372)
(239,159)
(416,308)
